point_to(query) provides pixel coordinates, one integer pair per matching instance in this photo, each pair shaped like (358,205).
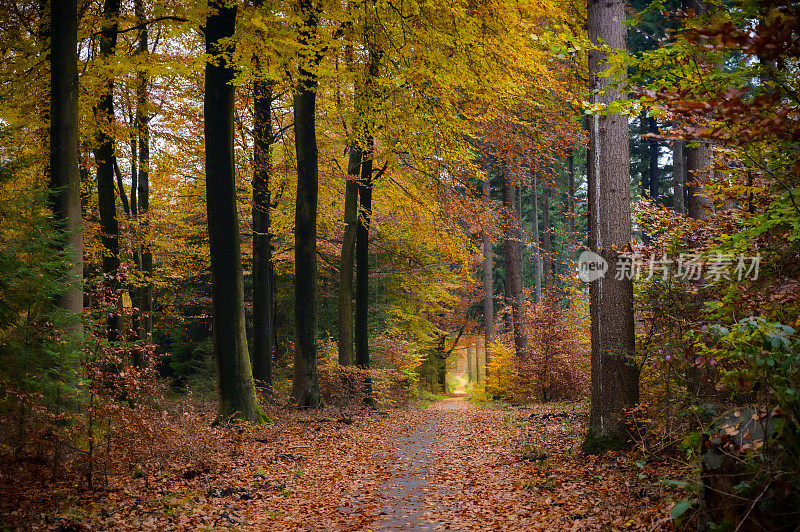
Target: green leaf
(676,483)
(679,509)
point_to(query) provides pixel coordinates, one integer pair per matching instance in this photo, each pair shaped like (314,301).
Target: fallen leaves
(450,467)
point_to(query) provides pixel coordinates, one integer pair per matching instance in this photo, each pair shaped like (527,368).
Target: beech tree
(305,389)
(513,263)
(236,388)
(488,266)
(64,177)
(615,378)
(547,251)
(365,216)
(144,299)
(105,158)
(679,176)
(263,318)
(537,248)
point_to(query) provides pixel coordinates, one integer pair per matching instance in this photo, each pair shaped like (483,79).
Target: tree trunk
(571,208)
(679,175)
(615,378)
(362,233)
(488,267)
(362,258)
(653,178)
(104,157)
(470,363)
(513,266)
(143,192)
(700,158)
(305,389)
(480,363)
(144,299)
(537,248)
(236,389)
(64,175)
(699,162)
(345,311)
(547,251)
(263,320)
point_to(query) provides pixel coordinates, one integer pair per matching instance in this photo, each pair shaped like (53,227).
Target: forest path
(405,501)
(452,466)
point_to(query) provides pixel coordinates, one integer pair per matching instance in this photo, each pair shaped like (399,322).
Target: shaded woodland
(254,254)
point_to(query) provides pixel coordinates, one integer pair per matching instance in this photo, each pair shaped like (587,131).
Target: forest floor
(451,466)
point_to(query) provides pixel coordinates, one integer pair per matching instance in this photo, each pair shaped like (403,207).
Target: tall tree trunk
(362,233)
(145,290)
(362,258)
(699,158)
(615,377)
(480,363)
(263,321)
(513,265)
(104,157)
(236,389)
(305,389)
(470,364)
(64,175)
(537,248)
(653,177)
(679,175)
(571,207)
(547,251)
(643,183)
(345,310)
(488,267)
(699,163)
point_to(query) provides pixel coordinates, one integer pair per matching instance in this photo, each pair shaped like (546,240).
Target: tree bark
(615,378)
(104,157)
(488,267)
(145,291)
(653,177)
(470,363)
(513,266)
(700,158)
(547,251)
(699,162)
(480,363)
(305,390)
(571,208)
(362,233)
(345,311)
(679,175)
(263,319)
(236,389)
(537,248)
(362,258)
(64,174)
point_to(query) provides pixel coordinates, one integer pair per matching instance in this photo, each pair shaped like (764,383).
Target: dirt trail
(405,501)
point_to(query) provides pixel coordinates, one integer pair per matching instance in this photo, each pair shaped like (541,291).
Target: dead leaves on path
(307,473)
(520,469)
